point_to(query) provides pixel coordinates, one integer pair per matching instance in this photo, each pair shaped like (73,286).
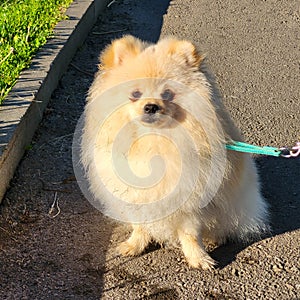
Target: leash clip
(290,152)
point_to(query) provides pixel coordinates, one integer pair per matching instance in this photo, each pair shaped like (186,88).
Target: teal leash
(266,150)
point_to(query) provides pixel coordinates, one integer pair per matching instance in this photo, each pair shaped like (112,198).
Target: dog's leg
(136,243)
(194,251)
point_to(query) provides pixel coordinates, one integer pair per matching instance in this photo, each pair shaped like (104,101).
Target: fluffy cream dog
(155,100)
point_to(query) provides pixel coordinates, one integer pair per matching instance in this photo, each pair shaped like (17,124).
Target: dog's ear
(184,52)
(120,49)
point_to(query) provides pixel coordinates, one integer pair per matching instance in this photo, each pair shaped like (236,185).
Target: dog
(154,117)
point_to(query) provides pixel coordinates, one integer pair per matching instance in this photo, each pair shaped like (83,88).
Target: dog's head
(148,76)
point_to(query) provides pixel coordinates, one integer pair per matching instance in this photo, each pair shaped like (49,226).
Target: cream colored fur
(236,211)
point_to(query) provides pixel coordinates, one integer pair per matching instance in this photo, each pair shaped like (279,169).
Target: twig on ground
(55,203)
(109,32)
(82,71)
(111,3)
(49,189)
(55,139)
(57,190)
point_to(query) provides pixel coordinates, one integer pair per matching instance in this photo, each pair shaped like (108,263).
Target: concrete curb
(23,108)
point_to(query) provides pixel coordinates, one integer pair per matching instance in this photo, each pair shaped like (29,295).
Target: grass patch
(25,26)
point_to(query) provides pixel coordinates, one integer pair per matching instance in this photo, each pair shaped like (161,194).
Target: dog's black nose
(151,108)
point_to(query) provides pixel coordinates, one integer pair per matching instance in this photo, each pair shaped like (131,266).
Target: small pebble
(276,269)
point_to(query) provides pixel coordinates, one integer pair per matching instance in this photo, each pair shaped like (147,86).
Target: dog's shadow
(226,254)
(280,186)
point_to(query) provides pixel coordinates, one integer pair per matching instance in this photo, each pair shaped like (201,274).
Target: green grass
(25,26)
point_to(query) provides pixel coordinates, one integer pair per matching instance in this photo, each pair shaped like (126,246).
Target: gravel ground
(253,49)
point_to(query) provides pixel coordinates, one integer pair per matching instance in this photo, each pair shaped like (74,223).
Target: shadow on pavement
(280,186)
(148,18)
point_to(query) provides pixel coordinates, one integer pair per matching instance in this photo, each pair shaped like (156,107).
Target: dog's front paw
(136,244)
(128,249)
(194,252)
(200,261)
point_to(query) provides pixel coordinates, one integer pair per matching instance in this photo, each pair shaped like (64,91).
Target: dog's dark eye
(167,95)
(135,95)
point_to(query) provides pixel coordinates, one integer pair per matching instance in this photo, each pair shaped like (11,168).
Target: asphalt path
(252,48)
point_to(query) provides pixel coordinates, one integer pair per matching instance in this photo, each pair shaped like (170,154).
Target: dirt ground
(253,49)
